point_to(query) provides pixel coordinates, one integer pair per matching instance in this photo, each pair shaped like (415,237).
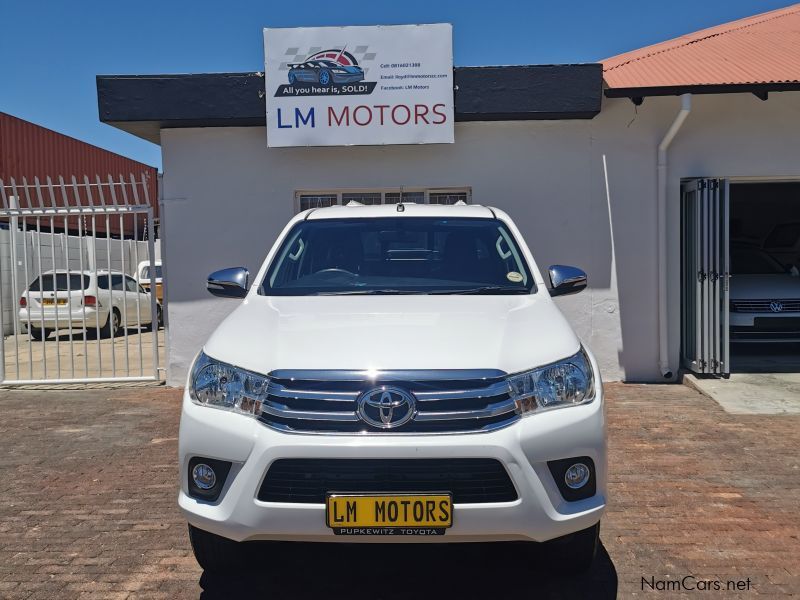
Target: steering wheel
(336,270)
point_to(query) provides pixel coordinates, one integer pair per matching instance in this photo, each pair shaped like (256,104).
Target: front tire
(324,77)
(217,554)
(576,552)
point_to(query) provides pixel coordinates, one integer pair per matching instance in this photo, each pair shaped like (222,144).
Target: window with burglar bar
(320,199)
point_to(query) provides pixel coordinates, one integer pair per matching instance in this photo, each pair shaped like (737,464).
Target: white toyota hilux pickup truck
(394,373)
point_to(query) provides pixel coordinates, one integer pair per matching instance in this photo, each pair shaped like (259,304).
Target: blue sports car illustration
(324,72)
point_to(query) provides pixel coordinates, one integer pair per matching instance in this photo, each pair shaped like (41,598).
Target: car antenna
(400,207)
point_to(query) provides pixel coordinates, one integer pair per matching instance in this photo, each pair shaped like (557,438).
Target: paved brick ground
(87,510)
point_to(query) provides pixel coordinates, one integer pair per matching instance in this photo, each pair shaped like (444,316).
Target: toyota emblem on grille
(776,306)
(386,407)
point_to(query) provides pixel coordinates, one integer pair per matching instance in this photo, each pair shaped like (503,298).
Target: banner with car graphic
(342,86)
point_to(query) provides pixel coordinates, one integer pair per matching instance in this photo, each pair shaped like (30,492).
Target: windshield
(146,272)
(398,255)
(752,261)
(785,235)
(63,281)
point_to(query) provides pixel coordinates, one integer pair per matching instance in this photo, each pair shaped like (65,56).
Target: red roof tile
(763,48)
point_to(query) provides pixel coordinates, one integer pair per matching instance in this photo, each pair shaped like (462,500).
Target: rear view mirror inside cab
(399,236)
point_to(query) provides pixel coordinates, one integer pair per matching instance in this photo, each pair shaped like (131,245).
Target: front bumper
(765,327)
(538,514)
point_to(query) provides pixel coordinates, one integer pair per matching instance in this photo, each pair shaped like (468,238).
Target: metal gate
(705,276)
(72,305)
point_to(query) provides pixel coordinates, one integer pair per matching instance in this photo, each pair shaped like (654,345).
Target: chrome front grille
(766,306)
(447,401)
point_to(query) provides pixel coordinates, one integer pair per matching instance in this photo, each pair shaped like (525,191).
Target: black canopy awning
(145,104)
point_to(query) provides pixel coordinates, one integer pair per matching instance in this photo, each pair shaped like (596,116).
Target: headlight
(566,383)
(224,386)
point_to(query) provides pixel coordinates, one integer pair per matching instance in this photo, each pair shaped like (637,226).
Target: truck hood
(510,333)
(765,287)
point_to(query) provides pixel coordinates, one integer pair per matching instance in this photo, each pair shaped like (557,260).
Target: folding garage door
(705,276)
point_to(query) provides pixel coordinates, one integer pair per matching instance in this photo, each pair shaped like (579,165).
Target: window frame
(130,280)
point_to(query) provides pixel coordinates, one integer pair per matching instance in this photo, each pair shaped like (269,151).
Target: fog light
(204,476)
(577,476)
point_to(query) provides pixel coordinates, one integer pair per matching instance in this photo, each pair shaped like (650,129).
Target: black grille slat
(308,481)
(435,404)
(414,427)
(289,475)
(357,385)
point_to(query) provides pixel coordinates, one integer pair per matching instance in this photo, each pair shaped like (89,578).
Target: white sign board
(340,86)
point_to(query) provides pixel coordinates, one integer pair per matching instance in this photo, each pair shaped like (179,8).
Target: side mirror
(229,283)
(566,280)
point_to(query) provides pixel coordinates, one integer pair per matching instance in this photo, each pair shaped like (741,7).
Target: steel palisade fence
(80,218)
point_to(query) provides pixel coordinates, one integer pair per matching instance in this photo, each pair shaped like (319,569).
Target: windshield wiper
(379,292)
(486,289)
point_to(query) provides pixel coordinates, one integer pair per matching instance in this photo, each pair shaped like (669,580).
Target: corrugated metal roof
(31,151)
(760,49)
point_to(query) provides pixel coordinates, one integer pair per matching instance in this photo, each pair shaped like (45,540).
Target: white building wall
(739,137)
(227,196)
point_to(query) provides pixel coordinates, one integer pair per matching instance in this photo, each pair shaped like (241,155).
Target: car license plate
(51,301)
(394,514)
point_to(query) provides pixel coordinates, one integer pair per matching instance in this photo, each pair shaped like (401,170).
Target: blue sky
(51,50)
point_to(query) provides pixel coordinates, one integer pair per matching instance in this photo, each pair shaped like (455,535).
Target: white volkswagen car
(102,302)
(764,297)
(394,373)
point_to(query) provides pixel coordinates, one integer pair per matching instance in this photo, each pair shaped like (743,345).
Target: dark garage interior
(765,280)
